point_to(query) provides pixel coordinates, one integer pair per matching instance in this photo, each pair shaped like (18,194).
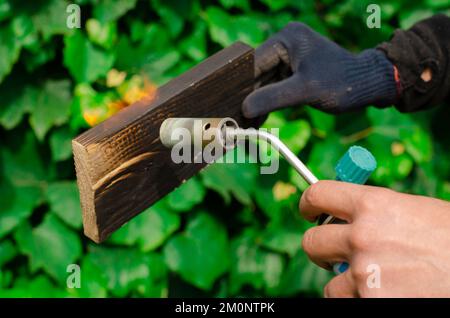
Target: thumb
(282,94)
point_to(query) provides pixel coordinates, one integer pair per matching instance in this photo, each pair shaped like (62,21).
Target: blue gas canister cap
(356,165)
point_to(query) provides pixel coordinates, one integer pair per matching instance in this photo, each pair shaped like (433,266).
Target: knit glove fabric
(322,74)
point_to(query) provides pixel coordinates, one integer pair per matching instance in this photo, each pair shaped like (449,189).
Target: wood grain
(122,167)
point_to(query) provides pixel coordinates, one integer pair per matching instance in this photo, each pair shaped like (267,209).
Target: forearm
(425,46)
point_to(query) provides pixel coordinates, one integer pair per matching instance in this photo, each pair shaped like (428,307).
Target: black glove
(322,74)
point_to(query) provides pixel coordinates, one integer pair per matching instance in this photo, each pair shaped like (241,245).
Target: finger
(327,244)
(269,55)
(331,197)
(282,94)
(341,286)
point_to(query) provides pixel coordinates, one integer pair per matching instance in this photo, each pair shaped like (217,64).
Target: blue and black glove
(305,68)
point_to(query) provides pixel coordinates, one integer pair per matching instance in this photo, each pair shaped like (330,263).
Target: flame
(138,88)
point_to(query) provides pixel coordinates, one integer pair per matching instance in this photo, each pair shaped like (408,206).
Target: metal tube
(298,165)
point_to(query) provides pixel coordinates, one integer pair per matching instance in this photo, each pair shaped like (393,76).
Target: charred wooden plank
(122,167)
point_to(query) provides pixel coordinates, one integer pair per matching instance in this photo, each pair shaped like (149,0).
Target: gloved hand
(322,74)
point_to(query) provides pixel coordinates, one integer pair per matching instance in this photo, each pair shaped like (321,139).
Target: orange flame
(134,93)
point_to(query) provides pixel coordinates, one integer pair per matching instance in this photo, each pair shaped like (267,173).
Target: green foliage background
(229,231)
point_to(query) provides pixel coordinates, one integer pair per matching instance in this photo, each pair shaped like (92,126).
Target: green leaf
(199,254)
(148,230)
(104,35)
(16,102)
(9,50)
(324,156)
(186,196)
(437,3)
(194,45)
(226,29)
(303,276)
(51,108)
(64,201)
(51,19)
(21,183)
(409,18)
(5,9)
(251,265)
(241,4)
(295,134)
(418,143)
(186,10)
(39,55)
(37,287)
(112,10)
(273,202)
(61,143)
(151,57)
(390,166)
(402,127)
(235,179)
(127,270)
(285,235)
(7,252)
(86,63)
(50,246)
(277,4)
(25,31)
(322,122)
(171,19)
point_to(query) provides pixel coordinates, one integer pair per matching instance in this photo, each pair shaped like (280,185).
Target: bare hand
(406,237)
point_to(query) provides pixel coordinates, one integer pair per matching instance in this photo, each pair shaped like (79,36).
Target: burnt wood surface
(122,167)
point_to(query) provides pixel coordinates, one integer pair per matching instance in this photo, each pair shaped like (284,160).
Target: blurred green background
(227,232)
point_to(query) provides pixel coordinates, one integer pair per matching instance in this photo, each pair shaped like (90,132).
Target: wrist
(380,82)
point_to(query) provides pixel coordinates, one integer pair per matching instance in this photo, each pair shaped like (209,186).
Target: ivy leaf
(51,108)
(37,287)
(241,4)
(234,179)
(9,50)
(186,196)
(171,19)
(7,252)
(20,184)
(186,10)
(418,143)
(226,29)
(104,35)
(251,265)
(322,122)
(5,9)
(303,276)
(194,45)
(144,57)
(64,201)
(16,101)
(50,246)
(393,163)
(324,156)
(284,237)
(409,17)
(111,10)
(199,254)
(295,134)
(149,229)
(61,143)
(402,127)
(127,270)
(86,63)
(51,19)
(277,4)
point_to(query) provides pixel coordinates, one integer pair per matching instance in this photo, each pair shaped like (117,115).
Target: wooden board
(122,167)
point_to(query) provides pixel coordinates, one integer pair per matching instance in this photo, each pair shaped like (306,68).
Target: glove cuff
(373,79)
